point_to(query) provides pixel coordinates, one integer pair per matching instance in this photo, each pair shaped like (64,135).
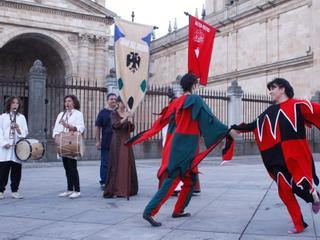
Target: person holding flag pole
(132,53)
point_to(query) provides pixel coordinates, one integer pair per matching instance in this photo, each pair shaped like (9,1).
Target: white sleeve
(3,140)
(80,122)
(56,127)
(23,126)
(3,137)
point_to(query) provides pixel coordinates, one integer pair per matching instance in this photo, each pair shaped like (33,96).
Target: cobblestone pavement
(238,201)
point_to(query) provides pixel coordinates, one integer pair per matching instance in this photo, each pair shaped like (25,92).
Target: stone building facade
(70,37)
(258,40)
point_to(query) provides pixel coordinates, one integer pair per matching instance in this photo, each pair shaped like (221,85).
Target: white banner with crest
(132,51)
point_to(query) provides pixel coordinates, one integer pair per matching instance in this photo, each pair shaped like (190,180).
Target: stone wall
(259,40)
(80,36)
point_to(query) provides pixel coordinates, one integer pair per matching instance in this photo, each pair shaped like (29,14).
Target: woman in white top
(13,126)
(70,120)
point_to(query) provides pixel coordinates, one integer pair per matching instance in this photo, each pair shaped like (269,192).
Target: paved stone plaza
(238,201)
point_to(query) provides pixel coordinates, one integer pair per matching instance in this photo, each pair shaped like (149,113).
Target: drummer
(70,120)
(13,126)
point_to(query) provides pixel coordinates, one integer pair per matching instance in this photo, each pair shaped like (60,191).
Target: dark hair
(171,96)
(75,101)
(111,94)
(187,81)
(282,83)
(8,103)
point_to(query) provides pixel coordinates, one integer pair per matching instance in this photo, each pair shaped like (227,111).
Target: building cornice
(271,67)
(225,20)
(96,6)
(56,11)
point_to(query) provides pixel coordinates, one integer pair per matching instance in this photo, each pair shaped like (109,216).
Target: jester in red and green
(189,118)
(280,134)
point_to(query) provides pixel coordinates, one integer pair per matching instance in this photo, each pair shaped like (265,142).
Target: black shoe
(150,219)
(178,215)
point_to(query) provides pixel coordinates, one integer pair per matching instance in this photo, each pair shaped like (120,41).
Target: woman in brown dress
(122,180)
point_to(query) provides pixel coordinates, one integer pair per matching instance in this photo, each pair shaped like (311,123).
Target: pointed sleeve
(311,113)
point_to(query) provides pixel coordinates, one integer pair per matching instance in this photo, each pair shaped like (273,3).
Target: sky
(156,12)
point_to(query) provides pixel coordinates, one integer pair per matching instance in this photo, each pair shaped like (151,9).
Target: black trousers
(15,175)
(70,165)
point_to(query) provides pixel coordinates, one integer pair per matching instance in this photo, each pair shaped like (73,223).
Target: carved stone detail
(38,68)
(54,11)
(101,41)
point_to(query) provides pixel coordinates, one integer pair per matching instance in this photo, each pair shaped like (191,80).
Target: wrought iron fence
(157,97)
(11,88)
(217,101)
(92,99)
(252,106)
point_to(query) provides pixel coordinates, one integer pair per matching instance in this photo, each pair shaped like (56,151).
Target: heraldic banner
(132,45)
(200,44)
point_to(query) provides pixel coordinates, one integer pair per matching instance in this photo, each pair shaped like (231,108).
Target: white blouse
(74,118)
(5,138)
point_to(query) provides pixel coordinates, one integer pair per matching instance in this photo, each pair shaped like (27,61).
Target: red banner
(201,38)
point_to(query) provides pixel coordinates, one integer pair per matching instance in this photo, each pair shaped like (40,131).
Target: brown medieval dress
(122,177)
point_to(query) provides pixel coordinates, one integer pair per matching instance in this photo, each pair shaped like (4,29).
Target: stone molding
(101,41)
(291,63)
(55,11)
(229,23)
(38,68)
(86,38)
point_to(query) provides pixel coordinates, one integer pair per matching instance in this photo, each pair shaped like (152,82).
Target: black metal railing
(147,112)
(217,101)
(252,106)
(92,99)
(10,88)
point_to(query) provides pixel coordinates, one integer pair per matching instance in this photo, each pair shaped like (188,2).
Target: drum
(70,144)
(26,149)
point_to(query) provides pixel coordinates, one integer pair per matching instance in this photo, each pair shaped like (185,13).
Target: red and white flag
(201,39)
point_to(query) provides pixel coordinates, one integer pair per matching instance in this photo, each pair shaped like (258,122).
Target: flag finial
(153,34)
(203,13)
(169,28)
(175,26)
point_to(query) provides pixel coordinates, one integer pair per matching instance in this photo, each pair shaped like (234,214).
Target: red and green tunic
(189,118)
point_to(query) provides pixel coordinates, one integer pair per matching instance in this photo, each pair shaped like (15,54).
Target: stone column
(83,61)
(100,58)
(176,87)
(37,93)
(235,113)
(111,82)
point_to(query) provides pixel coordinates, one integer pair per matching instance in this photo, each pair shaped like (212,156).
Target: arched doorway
(19,53)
